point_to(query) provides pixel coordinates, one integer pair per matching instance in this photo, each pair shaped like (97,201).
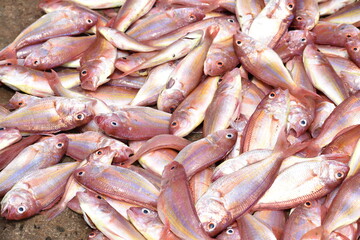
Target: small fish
(175,206)
(332,6)
(105,218)
(230,233)
(134,123)
(42,154)
(36,191)
(353,47)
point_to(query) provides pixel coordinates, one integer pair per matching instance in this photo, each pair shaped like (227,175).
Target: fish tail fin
(314,234)
(55,211)
(302,93)
(8,52)
(57,87)
(282,146)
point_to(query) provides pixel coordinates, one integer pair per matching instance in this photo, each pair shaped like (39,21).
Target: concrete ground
(16,15)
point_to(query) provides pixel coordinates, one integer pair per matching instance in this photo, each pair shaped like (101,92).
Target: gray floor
(15,15)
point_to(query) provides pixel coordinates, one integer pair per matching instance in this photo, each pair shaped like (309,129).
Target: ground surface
(15,15)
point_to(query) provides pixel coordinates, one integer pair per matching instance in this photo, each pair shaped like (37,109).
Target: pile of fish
(270,88)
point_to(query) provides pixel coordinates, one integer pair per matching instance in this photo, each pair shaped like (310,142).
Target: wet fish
(42,154)
(191,111)
(105,218)
(200,182)
(226,103)
(353,47)
(332,6)
(322,75)
(134,123)
(177,210)
(35,191)
(251,97)
(230,233)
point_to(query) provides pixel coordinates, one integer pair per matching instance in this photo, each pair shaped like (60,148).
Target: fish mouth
(99,120)
(89,85)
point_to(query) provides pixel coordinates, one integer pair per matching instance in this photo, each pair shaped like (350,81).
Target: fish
(332,50)
(306,180)
(322,111)
(246,11)
(42,154)
(304,218)
(19,100)
(105,218)
(352,46)
(251,228)
(266,65)
(300,116)
(251,97)
(83,144)
(36,191)
(134,123)
(157,24)
(58,51)
(130,12)
(54,24)
(97,235)
(307,15)
(50,115)
(274,219)
(191,111)
(298,73)
(147,222)
(204,152)
(179,87)
(177,210)
(331,6)
(228,197)
(118,183)
(97,63)
(226,103)
(9,136)
(200,182)
(348,14)
(322,75)
(271,23)
(230,233)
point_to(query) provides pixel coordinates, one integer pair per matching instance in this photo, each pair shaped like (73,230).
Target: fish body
(8,137)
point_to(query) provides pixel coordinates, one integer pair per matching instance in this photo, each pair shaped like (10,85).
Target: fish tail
(314,234)
(55,83)
(55,211)
(302,93)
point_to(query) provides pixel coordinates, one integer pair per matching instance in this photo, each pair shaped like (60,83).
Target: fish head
(244,44)
(333,172)
(76,112)
(228,27)
(143,216)
(103,155)
(112,123)
(348,30)
(180,121)
(171,173)
(89,169)
(225,138)
(212,214)
(59,141)
(298,39)
(19,204)
(217,63)
(189,15)
(230,233)
(86,19)
(169,99)
(91,75)
(275,101)
(303,21)
(300,116)
(19,100)
(38,59)
(97,235)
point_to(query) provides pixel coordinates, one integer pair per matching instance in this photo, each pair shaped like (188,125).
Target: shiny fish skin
(348,14)
(50,115)
(353,47)
(332,6)
(177,210)
(54,24)
(225,105)
(251,97)
(191,111)
(42,154)
(106,219)
(8,137)
(134,123)
(36,191)
(200,182)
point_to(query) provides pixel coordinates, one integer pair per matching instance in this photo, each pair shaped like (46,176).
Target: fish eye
(238,42)
(59,145)
(80,116)
(124,58)
(339,175)
(172,168)
(36,62)
(113,123)
(307,204)
(355,49)
(91,235)
(349,36)
(89,21)
(229,135)
(83,72)
(299,18)
(290,6)
(192,17)
(173,123)
(231,20)
(303,122)
(1,128)
(230,231)
(211,226)
(21,209)
(303,39)
(99,152)
(131,154)
(272,95)
(172,109)
(80,173)
(220,80)
(145,211)
(9,64)
(220,64)
(20,103)
(98,197)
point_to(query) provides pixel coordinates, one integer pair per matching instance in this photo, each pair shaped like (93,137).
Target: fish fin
(8,52)
(340,157)
(212,31)
(55,211)
(314,234)
(302,93)
(282,145)
(57,87)
(312,150)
